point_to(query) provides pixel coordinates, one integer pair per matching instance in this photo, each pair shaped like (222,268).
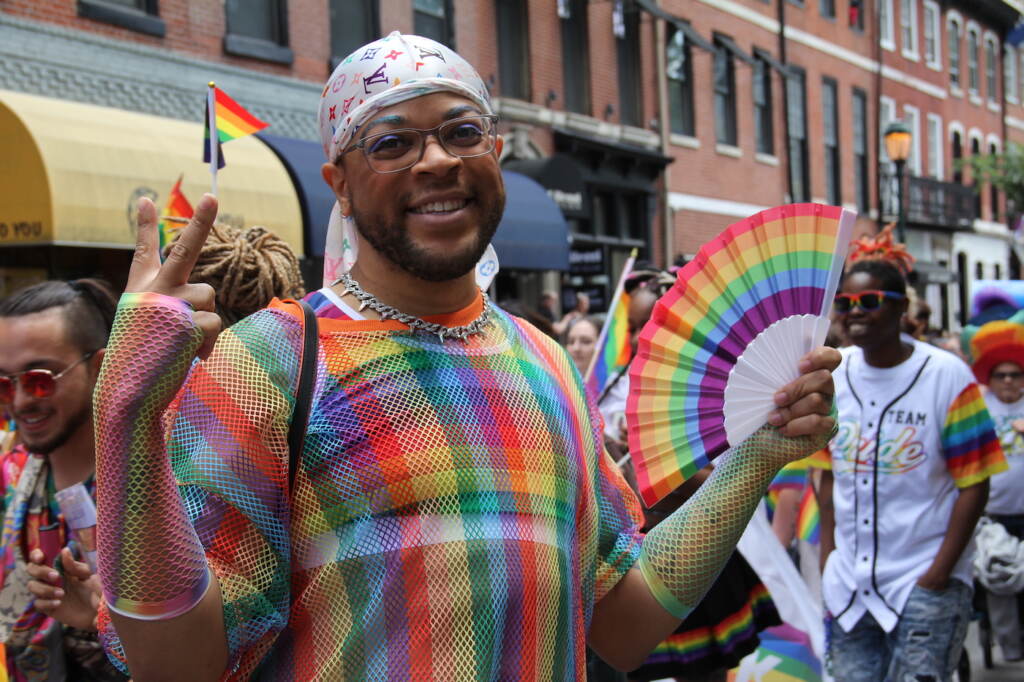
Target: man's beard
(392,241)
(71,426)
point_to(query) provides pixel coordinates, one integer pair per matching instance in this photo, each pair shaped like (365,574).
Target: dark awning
(303,160)
(561,177)
(681,24)
(532,234)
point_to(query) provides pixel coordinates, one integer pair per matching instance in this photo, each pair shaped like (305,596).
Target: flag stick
(599,346)
(211,109)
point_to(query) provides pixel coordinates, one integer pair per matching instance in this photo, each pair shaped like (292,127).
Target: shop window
(799,167)
(513,49)
(725,94)
(433,19)
(354,23)
(628,52)
(763,110)
(830,115)
(680,83)
(860,149)
(258,29)
(142,16)
(576,58)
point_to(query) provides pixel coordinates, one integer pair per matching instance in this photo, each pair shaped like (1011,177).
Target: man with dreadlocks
(906,480)
(453,514)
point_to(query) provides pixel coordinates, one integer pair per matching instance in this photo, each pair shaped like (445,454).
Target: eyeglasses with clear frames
(397,150)
(38,383)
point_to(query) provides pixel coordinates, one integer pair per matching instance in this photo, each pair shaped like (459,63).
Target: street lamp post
(897,145)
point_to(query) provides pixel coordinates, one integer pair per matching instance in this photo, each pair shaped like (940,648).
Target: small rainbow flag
(176,213)
(808,520)
(785,655)
(613,347)
(232,122)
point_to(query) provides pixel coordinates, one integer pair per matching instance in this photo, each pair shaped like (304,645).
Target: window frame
(973,59)
(1010,82)
(726,120)
(764,112)
(886,25)
(688,113)
(832,147)
(448,20)
(145,20)
(579,25)
(627,49)
(522,89)
(912,118)
(936,147)
(934,23)
(991,67)
(861,150)
(827,8)
(798,142)
(884,103)
(374,7)
(908,30)
(276,51)
(955,29)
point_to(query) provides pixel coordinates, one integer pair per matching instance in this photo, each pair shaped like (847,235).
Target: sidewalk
(1001,670)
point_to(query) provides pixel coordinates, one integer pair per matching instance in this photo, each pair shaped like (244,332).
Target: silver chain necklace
(387,312)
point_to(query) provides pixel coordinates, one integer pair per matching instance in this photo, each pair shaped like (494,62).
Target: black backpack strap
(304,393)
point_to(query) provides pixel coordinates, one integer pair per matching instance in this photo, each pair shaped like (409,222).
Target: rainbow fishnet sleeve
(682,556)
(151,563)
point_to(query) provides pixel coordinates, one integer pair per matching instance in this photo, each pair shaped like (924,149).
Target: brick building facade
(652,123)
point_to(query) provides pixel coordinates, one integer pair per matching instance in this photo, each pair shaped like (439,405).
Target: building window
(990,68)
(628,53)
(860,149)
(679,68)
(954,31)
(827,8)
(1010,73)
(886,115)
(912,117)
(857,14)
(725,94)
(513,49)
(354,23)
(973,83)
(799,169)
(935,150)
(433,19)
(993,149)
(576,58)
(956,154)
(258,29)
(763,114)
(908,28)
(976,151)
(830,116)
(142,16)
(886,30)
(932,35)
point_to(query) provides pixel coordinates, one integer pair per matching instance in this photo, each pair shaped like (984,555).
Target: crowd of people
(455,505)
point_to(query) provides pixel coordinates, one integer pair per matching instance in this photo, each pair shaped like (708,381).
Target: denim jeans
(924,646)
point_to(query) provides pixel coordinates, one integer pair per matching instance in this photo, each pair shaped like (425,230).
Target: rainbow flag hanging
(176,213)
(613,347)
(232,122)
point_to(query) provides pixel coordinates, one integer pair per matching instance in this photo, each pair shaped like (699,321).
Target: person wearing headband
(52,340)
(453,513)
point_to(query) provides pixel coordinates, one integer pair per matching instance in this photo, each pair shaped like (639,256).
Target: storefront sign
(567,201)
(586,261)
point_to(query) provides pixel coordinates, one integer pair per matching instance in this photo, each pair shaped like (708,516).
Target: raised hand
(74,599)
(803,406)
(170,278)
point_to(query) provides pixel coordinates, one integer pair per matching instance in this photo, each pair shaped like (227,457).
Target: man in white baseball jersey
(904,486)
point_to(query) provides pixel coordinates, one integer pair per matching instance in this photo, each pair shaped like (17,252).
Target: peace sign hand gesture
(170,278)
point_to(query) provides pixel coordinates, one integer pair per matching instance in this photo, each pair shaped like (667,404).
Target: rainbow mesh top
(454,515)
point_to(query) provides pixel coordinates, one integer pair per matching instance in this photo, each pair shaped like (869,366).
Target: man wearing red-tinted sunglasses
(52,339)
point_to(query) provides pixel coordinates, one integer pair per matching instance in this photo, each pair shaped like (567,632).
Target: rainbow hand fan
(728,335)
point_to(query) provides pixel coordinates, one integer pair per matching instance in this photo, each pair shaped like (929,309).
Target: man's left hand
(73,600)
(804,406)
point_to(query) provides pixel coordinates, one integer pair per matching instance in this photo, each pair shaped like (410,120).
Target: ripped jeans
(924,646)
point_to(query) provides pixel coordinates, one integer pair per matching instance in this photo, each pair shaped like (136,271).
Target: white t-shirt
(612,405)
(909,436)
(1006,495)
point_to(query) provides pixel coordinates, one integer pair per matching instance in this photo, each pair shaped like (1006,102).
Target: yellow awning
(71,173)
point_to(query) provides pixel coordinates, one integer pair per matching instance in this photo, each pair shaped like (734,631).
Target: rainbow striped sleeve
(969,440)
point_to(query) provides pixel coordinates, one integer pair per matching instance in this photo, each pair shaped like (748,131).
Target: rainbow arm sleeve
(151,563)
(683,555)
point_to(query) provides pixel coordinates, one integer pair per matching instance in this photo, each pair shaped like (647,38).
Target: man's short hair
(89,306)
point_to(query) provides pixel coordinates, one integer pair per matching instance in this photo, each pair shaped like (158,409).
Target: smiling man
(904,486)
(454,515)
(52,339)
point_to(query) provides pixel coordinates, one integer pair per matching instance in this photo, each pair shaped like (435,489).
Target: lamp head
(897,141)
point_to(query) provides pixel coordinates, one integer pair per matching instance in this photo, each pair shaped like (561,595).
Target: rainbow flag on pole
(613,348)
(176,214)
(808,519)
(231,121)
